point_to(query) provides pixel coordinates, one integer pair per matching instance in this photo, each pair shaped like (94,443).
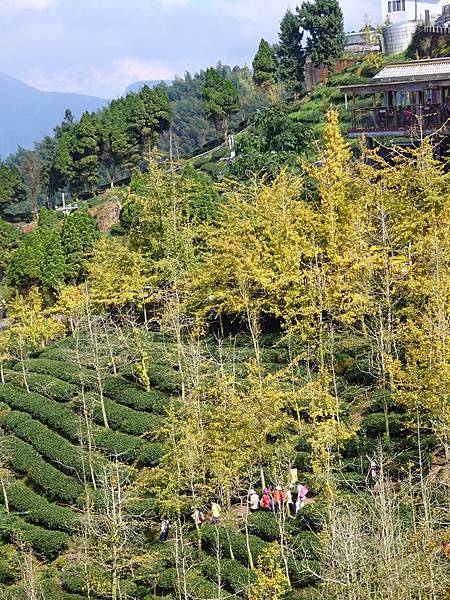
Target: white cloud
(36,5)
(108,82)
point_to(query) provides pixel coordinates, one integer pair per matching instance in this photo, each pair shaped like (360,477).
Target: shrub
(374,425)
(238,542)
(116,443)
(123,418)
(38,510)
(47,385)
(62,419)
(73,579)
(167,579)
(24,459)
(52,413)
(46,543)
(264,525)
(306,542)
(235,576)
(200,588)
(62,370)
(165,378)
(312,516)
(302,572)
(150,454)
(49,444)
(126,393)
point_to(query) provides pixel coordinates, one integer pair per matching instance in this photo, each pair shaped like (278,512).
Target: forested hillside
(240,387)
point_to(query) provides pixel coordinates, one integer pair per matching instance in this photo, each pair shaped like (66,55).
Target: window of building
(396,5)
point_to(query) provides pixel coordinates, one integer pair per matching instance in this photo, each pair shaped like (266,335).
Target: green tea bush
(47,544)
(62,419)
(47,385)
(212,534)
(167,579)
(125,419)
(303,572)
(49,444)
(165,378)
(312,516)
(232,573)
(24,459)
(126,393)
(151,453)
(62,370)
(39,510)
(115,443)
(73,579)
(374,425)
(200,588)
(264,525)
(306,543)
(55,415)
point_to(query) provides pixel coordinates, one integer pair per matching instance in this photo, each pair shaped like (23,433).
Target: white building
(400,11)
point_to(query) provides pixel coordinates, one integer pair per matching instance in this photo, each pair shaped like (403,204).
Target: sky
(99,47)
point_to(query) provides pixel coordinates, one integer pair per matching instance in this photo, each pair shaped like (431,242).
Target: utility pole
(170,145)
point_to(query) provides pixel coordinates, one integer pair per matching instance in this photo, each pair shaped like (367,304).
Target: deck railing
(430,116)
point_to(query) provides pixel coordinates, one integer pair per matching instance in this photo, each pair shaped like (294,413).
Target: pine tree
(265,66)
(291,54)
(324,22)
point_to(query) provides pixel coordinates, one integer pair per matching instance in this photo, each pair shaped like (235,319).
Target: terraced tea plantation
(65,432)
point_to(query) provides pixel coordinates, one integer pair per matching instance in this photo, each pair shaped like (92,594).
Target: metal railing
(430,116)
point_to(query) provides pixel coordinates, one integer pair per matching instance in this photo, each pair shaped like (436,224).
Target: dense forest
(240,387)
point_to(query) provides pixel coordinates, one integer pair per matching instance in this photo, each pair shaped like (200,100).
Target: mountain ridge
(28,114)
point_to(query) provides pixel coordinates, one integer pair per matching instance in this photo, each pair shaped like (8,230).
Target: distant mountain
(28,114)
(138,85)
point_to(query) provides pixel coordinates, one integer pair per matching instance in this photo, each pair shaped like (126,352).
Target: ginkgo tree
(31,326)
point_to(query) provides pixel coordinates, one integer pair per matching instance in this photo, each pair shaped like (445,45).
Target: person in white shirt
(253,500)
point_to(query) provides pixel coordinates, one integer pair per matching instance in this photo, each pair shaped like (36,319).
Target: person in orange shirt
(278,498)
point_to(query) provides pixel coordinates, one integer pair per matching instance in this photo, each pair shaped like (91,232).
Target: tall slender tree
(291,54)
(265,66)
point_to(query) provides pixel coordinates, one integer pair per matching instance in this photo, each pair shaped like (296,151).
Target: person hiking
(302,492)
(253,501)
(278,498)
(198,517)
(215,513)
(164,531)
(265,500)
(289,501)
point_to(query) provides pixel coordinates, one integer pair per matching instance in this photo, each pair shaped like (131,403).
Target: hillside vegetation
(288,324)
(276,326)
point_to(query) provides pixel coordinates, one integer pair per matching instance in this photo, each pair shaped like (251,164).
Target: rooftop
(413,75)
(414,70)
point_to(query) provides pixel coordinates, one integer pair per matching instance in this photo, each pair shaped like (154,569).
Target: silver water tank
(397,37)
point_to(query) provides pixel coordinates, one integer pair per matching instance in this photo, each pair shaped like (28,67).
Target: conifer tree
(324,22)
(265,66)
(291,54)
